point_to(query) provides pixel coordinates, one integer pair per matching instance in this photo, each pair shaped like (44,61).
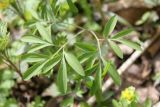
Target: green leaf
(62,77)
(68,102)
(33,70)
(3,28)
(89,71)
(122,33)
(107,95)
(86,9)
(45,34)
(72,7)
(124,102)
(99,96)
(33,57)
(97,85)
(34,14)
(134,104)
(114,74)
(89,81)
(116,49)
(86,46)
(98,78)
(86,57)
(38,47)
(131,44)
(50,64)
(33,39)
(106,68)
(84,104)
(148,103)
(145,17)
(115,103)
(90,62)
(74,63)
(49,29)
(110,25)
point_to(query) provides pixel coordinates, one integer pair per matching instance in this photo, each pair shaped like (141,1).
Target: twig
(98,43)
(16,69)
(125,65)
(8,62)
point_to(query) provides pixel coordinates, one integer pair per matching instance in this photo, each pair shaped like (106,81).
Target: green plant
(53,45)
(44,62)
(6,82)
(129,98)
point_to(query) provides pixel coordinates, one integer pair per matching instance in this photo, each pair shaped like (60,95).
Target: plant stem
(10,63)
(98,43)
(15,67)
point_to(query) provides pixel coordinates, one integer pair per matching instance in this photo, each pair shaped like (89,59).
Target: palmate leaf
(62,77)
(74,63)
(45,34)
(116,49)
(110,25)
